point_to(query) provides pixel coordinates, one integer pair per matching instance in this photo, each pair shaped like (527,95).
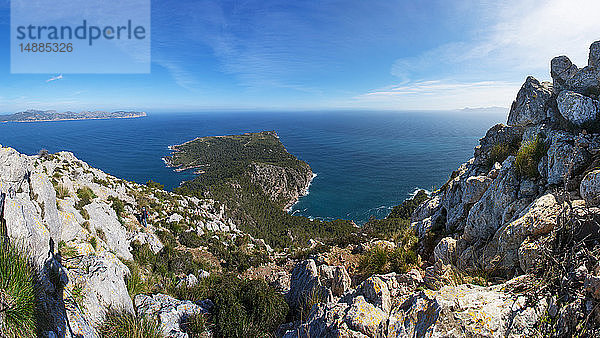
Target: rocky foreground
(508,247)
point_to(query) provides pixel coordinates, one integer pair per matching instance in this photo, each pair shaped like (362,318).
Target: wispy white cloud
(519,39)
(55,78)
(440,94)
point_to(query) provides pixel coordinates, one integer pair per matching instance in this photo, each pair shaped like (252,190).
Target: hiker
(144,217)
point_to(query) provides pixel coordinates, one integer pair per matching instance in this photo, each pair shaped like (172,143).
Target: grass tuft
(17,293)
(121,324)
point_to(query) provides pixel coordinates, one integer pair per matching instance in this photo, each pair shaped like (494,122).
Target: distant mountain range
(52,115)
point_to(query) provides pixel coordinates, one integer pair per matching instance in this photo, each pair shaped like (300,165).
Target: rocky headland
(508,247)
(52,115)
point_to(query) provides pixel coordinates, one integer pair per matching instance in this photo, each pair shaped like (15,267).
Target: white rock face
(576,108)
(103,220)
(170,312)
(445,251)
(376,292)
(487,215)
(475,187)
(538,219)
(365,318)
(590,188)
(564,157)
(45,195)
(465,311)
(531,103)
(335,278)
(102,279)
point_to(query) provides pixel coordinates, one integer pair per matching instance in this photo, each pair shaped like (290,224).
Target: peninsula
(52,115)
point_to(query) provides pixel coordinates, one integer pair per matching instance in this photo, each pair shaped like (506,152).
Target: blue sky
(401,55)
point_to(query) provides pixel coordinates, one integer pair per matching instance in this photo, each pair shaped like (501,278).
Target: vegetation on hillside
(225,164)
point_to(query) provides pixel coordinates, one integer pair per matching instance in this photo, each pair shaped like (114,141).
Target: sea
(365,162)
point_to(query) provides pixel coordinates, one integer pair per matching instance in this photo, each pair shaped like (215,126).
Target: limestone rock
(335,278)
(26,227)
(445,251)
(475,187)
(576,108)
(103,220)
(170,312)
(565,158)
(561,70)
(102,279)
(44,193)
(590,188)
(376,292)
(486,216)
(148,238)
(465,311)
(586,81)
(305,284)
(594,57)
(538,219)
(366,318)
(531,103)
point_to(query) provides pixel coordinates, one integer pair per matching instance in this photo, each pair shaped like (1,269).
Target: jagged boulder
(564,157)
(474,189)
(364,317)
(376,292)
(466,311)
(489,213)
(104,222)
(561,70)
(538,219)
(531,104)
(590,188)
(576,108)
(45,195)
(335,278)
(170,312)
(445,250)
(305,284)
(102,280)
(594,56)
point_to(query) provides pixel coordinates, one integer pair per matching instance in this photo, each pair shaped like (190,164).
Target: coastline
(78,119)
(304,192)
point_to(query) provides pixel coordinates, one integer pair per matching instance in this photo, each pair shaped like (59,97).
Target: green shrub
(118,206)
(405,210)
(121,324)
(65,250)
(528,158)
(85,195)
(166,238)
(85,214)
(375,261)
(190,239)
(155,185)
(195,325)
(62,191)
(77,294)
(101,182)
(134,282)
(94,243)
(243,308)
(501,151)
(17,293)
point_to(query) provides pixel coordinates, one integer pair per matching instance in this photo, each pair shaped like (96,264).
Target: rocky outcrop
(281,184)
(590,188)
(47,219)
(532,103)
(171,313)
(577,108)
(465,311)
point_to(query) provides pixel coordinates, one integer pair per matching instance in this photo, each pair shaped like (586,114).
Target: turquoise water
(366,162)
